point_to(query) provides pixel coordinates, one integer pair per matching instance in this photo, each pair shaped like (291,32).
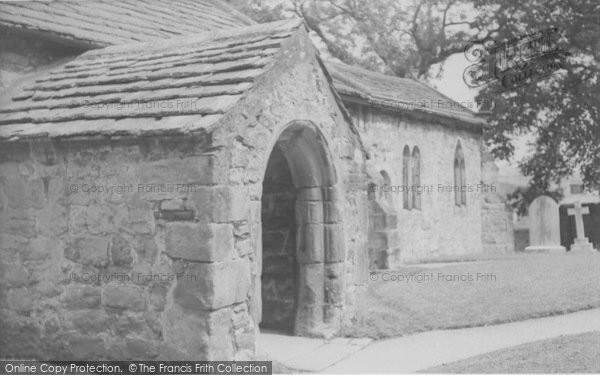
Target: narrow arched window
(407,203)
(416,178)
(386,181)
(460,177)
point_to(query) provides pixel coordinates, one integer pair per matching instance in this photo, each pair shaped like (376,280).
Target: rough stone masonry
(145,243)
(167,199)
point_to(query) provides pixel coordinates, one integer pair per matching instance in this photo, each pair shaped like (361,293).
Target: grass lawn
(565,354)
(522,287)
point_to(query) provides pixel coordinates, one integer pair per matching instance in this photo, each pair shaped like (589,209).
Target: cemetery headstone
(544,226)
(581,242)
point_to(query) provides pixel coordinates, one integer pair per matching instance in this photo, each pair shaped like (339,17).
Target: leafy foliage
(408,38)
(397,37)
(562,111)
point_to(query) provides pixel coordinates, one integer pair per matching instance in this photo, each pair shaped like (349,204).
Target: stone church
(174,176)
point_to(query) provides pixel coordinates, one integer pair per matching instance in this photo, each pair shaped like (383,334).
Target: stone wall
(298,92)
(106,246)
(497,232)
(99,258)
(498,236)
(439,227)
(22,53)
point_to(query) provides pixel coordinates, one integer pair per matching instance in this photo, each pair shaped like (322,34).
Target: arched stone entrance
(303,252)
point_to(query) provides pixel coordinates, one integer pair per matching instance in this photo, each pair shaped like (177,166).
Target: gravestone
(544,226)
(581,242)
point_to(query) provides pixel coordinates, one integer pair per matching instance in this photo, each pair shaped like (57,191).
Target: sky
(451,84)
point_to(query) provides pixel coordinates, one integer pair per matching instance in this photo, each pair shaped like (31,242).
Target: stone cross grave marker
(544,226)
(581,242)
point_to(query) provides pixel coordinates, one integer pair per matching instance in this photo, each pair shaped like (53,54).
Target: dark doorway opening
(279,264)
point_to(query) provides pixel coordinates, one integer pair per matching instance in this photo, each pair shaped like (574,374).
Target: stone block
(127,325)
(175,215)
(194,334)
(86,348)
(201,170)
(19,222)
(307,319)
(309,212)
(87,250)
(75,272)
(332,213)
(38,249)
(53,219)
(13,275)
(51,325)
(334,283)
(87,321)
(47,289)
(241,230)
(19,337)
(334,243)
(244,247)
(145,247)
(220,204)
(120,251)
(77,296)
(311,243)
(124,297)
(77,219)
(135,220)
(158,297)
(11,246)
(210,286)
(20,300)
(310,194)
(172,204)
(201,242)
(332,316)
(330,193)
(220,341)
(154,322)
(98,219)
(245,341)
(23,193)
(141,349)
(311,278)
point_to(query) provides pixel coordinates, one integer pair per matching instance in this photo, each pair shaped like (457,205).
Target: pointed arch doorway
(302,255)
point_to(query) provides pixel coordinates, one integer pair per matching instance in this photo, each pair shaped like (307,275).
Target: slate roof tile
(404,94)
(107,22)
(201,76)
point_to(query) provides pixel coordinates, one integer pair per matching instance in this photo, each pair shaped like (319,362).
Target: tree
(410,37)
(561,111)
(397,37)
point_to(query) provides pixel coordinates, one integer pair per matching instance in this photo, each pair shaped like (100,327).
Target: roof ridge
(105,93)
(230,8)
(405,91)
(367,71)
(92,24)
(159,44)
(445,96)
